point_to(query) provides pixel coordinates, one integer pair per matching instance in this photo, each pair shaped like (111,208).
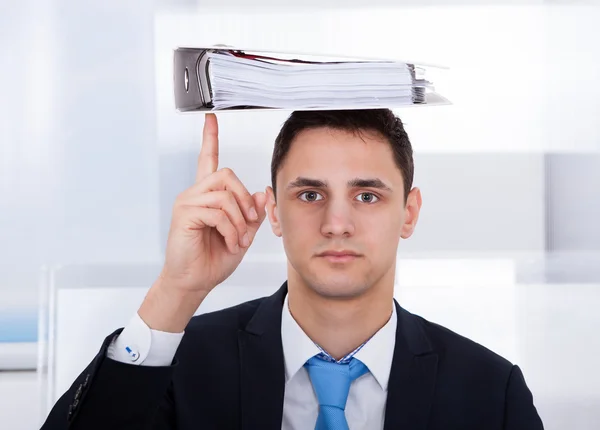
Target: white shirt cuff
(139,345)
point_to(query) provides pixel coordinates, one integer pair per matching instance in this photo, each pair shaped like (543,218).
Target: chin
(337,286)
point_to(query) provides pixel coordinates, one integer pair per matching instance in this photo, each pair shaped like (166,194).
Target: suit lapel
(262,372)
(412,376)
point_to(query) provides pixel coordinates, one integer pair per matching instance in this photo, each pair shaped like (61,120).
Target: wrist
(169,309)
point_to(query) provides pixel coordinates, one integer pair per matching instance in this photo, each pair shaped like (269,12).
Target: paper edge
(432,98)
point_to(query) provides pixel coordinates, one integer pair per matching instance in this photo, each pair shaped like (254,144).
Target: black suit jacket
(228,373)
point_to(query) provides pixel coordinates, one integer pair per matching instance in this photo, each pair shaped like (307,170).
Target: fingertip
(210,136)
(268,195)
(210,121)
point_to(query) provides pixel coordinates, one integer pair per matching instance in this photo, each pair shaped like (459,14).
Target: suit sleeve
(520,412)
(110,394)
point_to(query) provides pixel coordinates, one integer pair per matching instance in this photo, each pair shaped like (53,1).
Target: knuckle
(178,210)
(232,237)
(240,225)
(230,199)
(180,199)
(227,172)
(221,217)
(231,233)
(236,212)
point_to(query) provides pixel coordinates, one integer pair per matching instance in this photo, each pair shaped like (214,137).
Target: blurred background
(93,153)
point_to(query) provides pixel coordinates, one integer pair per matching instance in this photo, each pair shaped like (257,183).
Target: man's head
(341,181)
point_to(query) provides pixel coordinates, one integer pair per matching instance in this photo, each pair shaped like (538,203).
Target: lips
(339,254)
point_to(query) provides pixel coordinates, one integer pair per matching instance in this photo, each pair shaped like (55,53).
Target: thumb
(260,201)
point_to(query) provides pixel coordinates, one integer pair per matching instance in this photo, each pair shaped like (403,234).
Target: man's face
(334,214)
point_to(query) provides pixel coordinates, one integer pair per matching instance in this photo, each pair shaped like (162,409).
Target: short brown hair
(382,121)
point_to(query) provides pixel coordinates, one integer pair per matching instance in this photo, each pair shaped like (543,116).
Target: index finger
(208,161)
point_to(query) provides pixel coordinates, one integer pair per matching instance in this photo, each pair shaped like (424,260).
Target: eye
(311,196)
(369,197)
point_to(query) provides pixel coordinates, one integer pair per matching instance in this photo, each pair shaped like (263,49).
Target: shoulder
(218,332)
(209,348)
(213,337)
(232,318)
(461,352)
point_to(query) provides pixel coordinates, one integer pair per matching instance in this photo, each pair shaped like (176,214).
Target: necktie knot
(331,382)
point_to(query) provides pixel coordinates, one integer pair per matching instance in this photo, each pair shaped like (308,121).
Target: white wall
(79,145)
(495,103)
(78,164)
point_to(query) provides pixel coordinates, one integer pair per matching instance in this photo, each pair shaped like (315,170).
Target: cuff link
(133,353)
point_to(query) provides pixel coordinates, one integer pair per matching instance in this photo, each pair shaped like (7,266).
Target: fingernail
(236,248)
(245,240)
(253,214)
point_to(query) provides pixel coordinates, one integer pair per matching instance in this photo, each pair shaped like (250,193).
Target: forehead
(331,150)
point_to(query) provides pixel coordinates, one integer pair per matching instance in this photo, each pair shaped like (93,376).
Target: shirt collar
(377,354)
(297,346)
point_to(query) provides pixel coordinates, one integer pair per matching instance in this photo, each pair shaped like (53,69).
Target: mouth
(339,257)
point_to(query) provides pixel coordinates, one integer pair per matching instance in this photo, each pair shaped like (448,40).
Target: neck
(340,325)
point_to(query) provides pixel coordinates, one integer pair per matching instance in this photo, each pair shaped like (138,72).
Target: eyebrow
(354,183)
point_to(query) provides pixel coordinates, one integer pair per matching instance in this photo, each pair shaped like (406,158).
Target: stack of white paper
(238,79)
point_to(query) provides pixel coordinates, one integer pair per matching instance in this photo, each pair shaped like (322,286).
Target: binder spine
(191,80)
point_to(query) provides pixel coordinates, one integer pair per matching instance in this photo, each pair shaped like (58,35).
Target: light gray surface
(573,202)
(23,410)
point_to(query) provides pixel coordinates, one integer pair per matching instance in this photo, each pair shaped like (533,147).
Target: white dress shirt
(365,409)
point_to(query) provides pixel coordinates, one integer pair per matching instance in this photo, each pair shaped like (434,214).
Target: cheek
(383,234)
(292,220)
(395,222)
(296,231)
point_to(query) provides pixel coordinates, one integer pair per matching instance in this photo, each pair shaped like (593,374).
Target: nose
(337,220)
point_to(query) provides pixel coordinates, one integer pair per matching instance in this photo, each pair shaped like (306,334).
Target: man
(331,349)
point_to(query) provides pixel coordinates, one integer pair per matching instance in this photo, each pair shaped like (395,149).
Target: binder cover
(192,85)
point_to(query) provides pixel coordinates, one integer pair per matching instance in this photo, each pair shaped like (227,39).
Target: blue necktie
(331,382)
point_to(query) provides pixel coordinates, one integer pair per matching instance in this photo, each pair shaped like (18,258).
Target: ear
(411,213)
(272,212)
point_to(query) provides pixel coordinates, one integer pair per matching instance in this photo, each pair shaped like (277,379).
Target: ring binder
(193,88)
